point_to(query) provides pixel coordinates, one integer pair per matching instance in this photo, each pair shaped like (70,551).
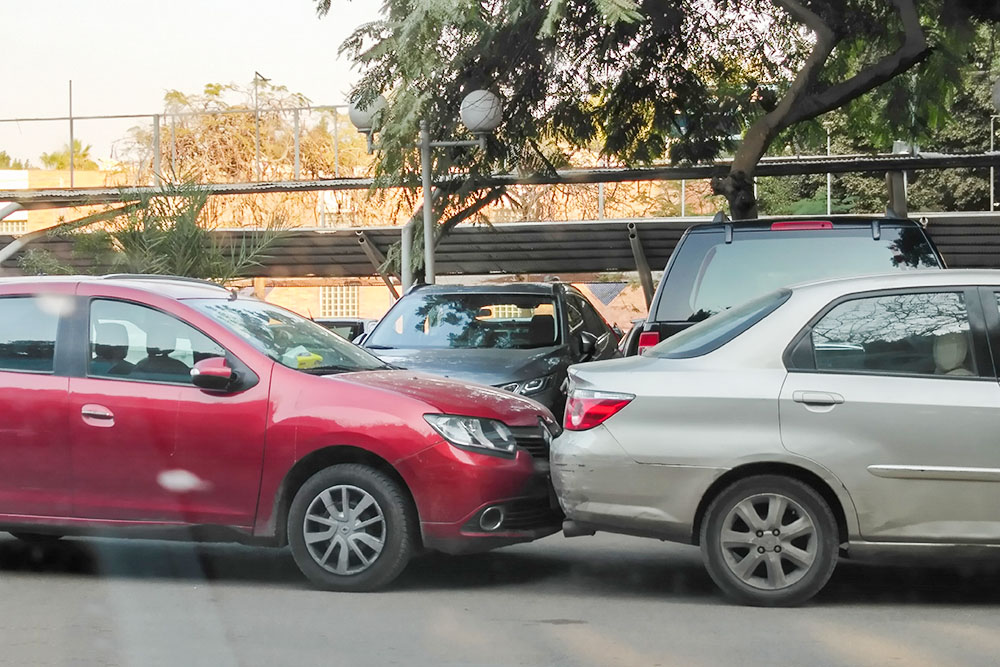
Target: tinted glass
(287,338)
(709,275)
(133,342)
(592,320)
(470,320)
(923,334)
(28,332)
(718,330)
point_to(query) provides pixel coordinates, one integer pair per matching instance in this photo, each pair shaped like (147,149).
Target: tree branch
(493,195)
(806,17)
(758,138)
(913,50)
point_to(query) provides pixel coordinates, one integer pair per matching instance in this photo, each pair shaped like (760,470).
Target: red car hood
(454,397)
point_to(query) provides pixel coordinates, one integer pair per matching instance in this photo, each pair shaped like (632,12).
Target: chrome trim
(936,472)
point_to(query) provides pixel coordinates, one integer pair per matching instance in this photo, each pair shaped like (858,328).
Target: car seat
(542,330)
(110,350)
(159,344)
(950,353)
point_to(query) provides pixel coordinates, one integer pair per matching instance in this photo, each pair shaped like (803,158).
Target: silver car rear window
(711,334)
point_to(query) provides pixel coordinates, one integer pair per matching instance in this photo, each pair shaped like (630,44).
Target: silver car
(848,417)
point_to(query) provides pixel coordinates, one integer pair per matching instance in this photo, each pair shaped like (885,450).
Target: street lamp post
(481,113)
(993,119)
(993,181)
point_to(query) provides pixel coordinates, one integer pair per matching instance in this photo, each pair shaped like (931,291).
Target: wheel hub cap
(344,529)
(769,541)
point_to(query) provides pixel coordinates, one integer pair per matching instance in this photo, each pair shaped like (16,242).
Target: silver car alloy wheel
(769,541)
(344,529)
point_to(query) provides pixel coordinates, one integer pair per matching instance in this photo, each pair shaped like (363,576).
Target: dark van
(719,265)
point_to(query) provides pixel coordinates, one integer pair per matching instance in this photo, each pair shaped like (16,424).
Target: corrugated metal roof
(777,166)
(965,241)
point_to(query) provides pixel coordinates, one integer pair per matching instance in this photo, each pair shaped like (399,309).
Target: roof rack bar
(876,230)
(156,276)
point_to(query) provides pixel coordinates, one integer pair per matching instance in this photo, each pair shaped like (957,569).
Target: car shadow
(972,582)
(150,559)
(671,573)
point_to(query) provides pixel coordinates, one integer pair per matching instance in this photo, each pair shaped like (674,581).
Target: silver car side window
(911,334)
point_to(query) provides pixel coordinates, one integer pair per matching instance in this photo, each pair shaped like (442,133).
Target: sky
(123,55)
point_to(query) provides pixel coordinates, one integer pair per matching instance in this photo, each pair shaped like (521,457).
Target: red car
(137,402)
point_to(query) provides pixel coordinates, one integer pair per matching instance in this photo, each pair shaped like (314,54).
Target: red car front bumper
(453,488)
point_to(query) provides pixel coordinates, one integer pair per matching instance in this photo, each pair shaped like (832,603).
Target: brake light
(648,339)
(586,409)
(796,225)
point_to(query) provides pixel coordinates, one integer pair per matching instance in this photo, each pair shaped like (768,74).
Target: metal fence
(165,156)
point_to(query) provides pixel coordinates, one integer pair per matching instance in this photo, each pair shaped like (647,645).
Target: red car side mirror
(213,374)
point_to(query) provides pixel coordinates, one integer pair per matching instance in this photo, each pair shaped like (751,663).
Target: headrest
(160,341)
(111,334)
(542,329)
(950,351)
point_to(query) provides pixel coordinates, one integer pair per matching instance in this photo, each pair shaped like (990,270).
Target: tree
(688,79)
(60,159)
(7,162)
(166,234)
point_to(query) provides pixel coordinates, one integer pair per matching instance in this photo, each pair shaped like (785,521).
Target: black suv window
(709,275)
(468,320)
(28,327)
(592,320)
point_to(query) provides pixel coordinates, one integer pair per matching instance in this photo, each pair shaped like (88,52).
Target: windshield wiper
(324,370)
(330,370)
(378,347)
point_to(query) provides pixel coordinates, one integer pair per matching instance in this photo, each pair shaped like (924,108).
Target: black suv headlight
(486,436)
(528,387)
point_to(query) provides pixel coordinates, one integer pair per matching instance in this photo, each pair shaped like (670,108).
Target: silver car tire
(351,528)
(769,541)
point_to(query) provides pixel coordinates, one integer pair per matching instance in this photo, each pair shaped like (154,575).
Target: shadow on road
(668,572)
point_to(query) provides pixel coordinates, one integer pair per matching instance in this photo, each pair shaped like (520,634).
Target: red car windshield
(289,339)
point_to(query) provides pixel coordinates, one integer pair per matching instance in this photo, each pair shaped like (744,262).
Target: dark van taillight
(648,339)
(801,225)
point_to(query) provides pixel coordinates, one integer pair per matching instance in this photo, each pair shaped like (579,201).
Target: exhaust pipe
(574,529)
(491,519)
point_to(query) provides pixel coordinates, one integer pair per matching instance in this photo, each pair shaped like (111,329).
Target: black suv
(520,337)
(719,265)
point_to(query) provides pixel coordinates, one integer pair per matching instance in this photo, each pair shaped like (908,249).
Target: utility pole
(257,78)
(71,146)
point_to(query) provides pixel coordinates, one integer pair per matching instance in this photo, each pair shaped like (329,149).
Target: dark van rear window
(708,275)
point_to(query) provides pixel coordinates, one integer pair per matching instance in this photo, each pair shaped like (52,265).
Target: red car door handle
(817,398)
(96,412)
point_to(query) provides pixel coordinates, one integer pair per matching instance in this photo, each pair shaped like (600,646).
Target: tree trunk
(737,188)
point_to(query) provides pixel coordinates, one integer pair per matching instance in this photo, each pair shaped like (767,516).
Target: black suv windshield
(289,339)
(709,275)
(468,320)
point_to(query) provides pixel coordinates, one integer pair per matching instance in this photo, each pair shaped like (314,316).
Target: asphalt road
(603,600)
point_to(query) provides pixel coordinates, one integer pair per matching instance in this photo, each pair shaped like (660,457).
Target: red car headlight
(586,409)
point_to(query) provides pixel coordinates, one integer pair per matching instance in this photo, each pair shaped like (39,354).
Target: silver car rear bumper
(599,485)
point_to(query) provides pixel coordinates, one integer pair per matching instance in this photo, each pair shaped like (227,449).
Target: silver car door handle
(93,413)
(817,398)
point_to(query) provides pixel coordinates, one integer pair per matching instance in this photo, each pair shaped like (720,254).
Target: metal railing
(169,121)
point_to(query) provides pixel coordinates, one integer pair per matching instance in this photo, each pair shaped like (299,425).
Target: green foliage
(163,234)
(60,159)
(7,162)
(963,128)
(651,79)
